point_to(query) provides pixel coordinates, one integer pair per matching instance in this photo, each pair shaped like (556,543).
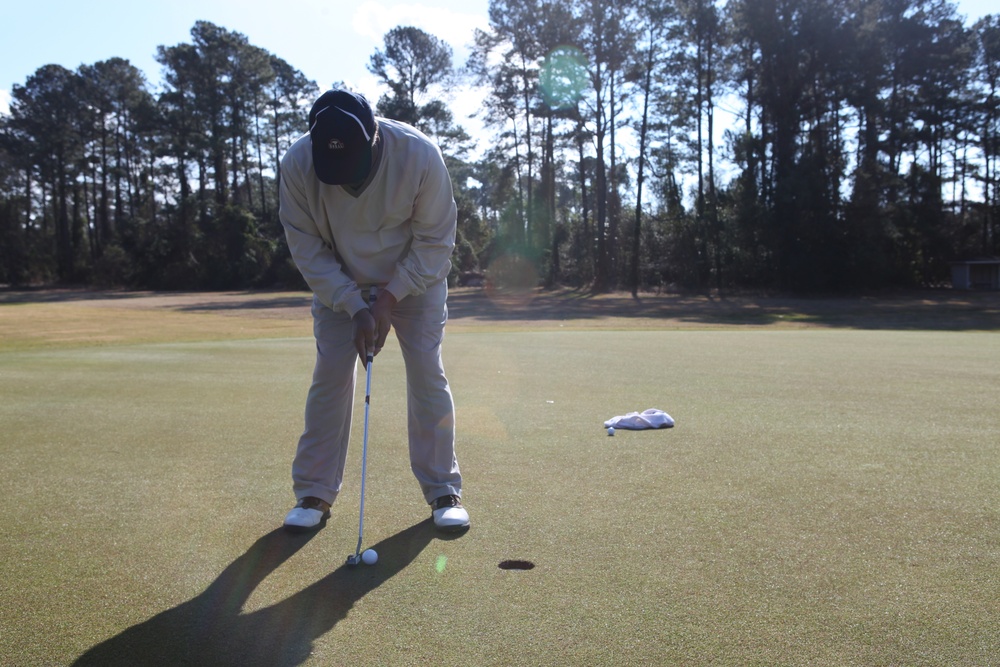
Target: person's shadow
(210,630)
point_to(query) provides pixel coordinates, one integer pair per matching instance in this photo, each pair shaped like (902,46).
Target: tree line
(806,145)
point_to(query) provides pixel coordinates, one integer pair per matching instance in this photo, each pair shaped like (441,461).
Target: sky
(328,41)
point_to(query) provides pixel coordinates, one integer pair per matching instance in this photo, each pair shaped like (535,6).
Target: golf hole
(516,565)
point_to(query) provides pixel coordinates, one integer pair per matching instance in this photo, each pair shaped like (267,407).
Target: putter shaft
(354,560)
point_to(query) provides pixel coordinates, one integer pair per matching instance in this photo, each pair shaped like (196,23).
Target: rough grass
(829,495)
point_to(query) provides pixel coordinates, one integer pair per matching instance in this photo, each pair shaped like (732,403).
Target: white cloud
(366,84)
(4,102)
(374,19)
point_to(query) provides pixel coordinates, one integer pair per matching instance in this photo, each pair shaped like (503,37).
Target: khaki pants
(318,467)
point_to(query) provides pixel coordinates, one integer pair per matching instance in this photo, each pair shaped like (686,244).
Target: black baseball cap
(342,127)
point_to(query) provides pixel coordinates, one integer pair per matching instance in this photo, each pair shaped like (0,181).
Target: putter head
(354,559)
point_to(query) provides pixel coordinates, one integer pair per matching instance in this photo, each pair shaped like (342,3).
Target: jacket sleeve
(433,226)
(313,255)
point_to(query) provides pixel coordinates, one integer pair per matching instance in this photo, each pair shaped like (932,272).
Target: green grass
(828,497)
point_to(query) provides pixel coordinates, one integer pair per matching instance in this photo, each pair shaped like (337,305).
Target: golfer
(368,202)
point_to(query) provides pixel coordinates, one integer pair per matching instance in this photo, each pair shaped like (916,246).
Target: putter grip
(372,296)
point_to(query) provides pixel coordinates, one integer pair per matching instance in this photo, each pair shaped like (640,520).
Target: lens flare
(563,77)
(511,281)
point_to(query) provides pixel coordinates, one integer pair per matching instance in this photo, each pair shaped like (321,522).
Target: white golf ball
(369,557)
(611,430)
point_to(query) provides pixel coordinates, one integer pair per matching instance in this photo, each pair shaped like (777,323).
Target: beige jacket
(397,231)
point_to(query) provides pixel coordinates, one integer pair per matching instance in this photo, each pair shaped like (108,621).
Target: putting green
(827,497)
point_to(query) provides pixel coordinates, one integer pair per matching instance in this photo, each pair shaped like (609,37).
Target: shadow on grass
(302,302)
(210,630)
(938,310)
(14,295)
(929,309)
(200,301)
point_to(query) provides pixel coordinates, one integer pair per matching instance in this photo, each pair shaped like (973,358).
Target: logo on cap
(335,144)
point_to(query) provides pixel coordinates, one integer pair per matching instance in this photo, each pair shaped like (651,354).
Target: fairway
(830,495)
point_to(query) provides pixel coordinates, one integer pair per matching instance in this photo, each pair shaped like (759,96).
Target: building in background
(976,274)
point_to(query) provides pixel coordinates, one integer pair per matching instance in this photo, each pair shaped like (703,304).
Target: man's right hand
(382,312)
(364,334)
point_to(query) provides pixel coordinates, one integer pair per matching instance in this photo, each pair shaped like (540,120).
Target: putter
(355,558)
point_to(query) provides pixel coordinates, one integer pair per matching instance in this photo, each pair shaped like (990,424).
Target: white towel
(636,421)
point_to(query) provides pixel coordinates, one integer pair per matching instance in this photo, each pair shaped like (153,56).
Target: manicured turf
(828,497)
